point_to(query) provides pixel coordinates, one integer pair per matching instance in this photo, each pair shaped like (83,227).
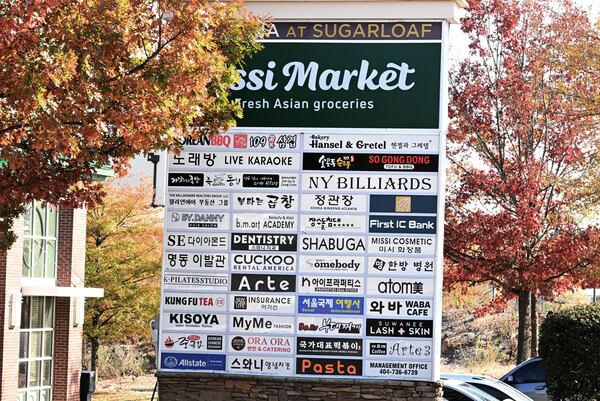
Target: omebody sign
(308,241)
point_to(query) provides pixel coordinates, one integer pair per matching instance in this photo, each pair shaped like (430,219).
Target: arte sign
(308,240)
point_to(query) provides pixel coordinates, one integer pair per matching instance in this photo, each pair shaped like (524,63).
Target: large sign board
(307,242)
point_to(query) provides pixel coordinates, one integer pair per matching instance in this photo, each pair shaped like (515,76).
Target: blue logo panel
(402,224)
(181,361)
(331,305)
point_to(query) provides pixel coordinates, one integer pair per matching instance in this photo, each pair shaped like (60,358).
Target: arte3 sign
(307,242)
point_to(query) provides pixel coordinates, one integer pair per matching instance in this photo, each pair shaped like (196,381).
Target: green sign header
(341,85)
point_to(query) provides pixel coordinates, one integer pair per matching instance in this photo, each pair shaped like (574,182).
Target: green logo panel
(342,85)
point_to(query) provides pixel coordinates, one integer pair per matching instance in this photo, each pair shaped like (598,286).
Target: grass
(123,396)
(491,369)
(126,388)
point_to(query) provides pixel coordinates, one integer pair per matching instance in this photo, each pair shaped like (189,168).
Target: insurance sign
(307,242)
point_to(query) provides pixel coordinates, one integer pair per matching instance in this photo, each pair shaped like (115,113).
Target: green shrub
(570,347)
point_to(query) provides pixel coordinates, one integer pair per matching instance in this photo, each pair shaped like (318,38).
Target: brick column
(11,265)
(70,273)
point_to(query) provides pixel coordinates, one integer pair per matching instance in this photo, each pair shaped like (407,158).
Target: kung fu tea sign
(307,242)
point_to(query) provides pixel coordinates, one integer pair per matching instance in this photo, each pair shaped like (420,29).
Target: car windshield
(510,391)
(480,393)
(501,391)
(491,391)
(532,372)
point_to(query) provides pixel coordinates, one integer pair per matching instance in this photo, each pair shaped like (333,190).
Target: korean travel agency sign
(307,242)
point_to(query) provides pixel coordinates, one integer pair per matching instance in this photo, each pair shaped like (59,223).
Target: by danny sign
(307,242)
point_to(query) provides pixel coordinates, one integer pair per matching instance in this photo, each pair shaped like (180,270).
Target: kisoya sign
(307,241)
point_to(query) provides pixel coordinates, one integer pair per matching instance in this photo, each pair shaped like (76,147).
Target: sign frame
(439,132)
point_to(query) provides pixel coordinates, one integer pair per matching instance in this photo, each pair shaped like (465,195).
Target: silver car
(456,390)
(529,377)
(493,387)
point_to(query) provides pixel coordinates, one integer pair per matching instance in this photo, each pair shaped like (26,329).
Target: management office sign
(307,242)
(344,75)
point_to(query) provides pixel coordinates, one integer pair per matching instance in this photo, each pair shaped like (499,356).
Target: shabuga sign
(308,241)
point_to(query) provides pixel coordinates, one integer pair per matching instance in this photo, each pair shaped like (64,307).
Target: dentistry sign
(308,241)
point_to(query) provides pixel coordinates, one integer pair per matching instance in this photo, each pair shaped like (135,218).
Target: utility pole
(154,158)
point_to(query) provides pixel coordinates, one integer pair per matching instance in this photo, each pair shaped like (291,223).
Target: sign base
(221,387)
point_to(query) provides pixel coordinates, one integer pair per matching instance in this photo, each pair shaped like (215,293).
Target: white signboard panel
(295,250)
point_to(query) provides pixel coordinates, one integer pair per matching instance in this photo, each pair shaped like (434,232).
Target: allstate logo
(170,362)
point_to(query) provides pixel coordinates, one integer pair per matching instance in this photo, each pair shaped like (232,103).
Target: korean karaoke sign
(307,241)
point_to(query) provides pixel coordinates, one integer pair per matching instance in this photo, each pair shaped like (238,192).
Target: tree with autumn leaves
(88,83)
(123,256)
(518,146)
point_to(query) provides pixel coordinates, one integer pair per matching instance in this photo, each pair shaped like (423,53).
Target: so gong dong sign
(307,242)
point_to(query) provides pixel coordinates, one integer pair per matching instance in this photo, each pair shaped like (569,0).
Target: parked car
(493,387)
(456,390)
(529,377)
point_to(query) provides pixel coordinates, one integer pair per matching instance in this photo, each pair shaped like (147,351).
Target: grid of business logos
(306,252)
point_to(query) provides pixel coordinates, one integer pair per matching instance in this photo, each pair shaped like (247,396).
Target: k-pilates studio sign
(343,75)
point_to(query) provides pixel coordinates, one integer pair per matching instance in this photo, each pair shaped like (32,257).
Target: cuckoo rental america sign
(307,241)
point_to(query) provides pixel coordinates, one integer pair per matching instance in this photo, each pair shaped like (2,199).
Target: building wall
(11,264)
(219,387)
(67,339)
(70,273)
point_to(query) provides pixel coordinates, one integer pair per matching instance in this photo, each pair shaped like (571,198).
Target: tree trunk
(523,343)
(534,325)
(94,353)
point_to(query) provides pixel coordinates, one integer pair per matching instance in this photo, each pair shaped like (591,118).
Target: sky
(140,167)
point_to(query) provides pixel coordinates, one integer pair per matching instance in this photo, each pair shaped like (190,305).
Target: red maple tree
(516,146)
(90,83)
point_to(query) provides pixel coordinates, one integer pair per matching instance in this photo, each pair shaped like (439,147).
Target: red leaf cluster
(517,147)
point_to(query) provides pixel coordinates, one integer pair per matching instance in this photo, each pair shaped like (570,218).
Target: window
(492,391)
(453,395)
(35,349)
(533,372)
(39,246)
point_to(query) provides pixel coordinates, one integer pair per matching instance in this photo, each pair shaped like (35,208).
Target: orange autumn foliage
(87,83)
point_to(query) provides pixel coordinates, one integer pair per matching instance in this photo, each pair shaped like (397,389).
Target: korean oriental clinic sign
(307,242)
